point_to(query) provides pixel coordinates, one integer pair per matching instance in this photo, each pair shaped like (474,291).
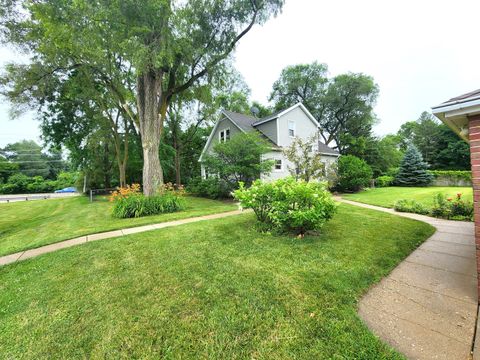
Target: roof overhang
(455,114)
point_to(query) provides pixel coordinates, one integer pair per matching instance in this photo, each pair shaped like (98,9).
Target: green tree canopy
(240,159)
(166,47)
(342,105)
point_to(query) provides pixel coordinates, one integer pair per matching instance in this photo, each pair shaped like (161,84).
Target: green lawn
(386,197)
(216,290)
(26,225)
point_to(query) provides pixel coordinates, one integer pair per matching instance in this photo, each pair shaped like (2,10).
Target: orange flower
(449,199)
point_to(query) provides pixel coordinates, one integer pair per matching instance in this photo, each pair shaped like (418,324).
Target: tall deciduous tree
(167,45)
(440,147)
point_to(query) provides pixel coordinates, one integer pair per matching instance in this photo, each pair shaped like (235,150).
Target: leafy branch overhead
(142,53)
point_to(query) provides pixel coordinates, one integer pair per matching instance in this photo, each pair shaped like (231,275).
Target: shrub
(129,202)
(353,173)
(287,205)
(411,206)
(213,188)
(20,183)
(443,207)
(384,181)
(452,208)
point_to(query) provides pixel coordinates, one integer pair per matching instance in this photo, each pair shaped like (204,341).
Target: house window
(224,135)
(278,164)
(291,129)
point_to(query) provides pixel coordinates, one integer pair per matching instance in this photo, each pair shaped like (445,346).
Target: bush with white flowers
(288,205)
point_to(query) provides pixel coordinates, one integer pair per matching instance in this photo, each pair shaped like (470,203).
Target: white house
(279,128)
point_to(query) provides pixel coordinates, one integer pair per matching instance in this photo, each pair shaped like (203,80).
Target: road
(29,197)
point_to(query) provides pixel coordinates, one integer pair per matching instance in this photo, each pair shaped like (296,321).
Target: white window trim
(275,165)
(224,132)
(294,128)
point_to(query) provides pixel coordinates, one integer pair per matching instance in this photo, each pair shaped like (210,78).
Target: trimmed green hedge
(458,174)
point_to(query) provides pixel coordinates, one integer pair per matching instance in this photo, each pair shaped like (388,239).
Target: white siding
(304,127)
(276,174)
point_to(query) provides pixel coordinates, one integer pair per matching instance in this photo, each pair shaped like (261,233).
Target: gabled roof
(283,112)
(244,122)
(247,123)
(327,150)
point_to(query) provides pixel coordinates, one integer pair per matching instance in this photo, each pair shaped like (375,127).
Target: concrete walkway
(427,307)
(23,255)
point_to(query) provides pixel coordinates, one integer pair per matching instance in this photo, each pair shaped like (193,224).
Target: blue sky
(419,52)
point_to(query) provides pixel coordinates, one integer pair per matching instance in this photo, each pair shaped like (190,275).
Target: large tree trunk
(149,111)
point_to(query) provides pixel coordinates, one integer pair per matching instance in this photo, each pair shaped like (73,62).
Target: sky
(419,52)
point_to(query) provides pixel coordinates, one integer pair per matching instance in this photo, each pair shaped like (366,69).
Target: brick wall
(474,137)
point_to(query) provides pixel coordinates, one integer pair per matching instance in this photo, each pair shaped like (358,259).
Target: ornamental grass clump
(129,202)
(287,205)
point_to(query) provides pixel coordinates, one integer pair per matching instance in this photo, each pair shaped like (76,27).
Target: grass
(216,290)
(386,197)
(26,225)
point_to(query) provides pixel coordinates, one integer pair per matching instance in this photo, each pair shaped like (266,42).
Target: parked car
(66,190)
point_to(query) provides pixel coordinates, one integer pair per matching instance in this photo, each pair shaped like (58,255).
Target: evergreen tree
(413,170)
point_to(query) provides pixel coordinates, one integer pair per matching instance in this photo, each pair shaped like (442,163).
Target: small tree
(239,159)
(353,173)
(413,170)
(307,164)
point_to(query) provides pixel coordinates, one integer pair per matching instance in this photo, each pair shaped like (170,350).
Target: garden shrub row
(455,174)
(129,202)
(22,184)
(212,188)
(288,205)
(443,207)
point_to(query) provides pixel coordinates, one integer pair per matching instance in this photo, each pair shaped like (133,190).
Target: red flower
(459,195)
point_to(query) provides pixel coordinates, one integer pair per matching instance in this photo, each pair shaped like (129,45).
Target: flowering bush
(287,205)
(129,202)
(452,208)
(443,207)
(125,192)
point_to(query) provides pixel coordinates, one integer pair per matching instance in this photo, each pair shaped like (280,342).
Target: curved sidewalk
(27,254)
(426,307)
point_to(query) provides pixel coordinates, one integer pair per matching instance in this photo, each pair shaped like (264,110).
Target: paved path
(23,255)
(426,308)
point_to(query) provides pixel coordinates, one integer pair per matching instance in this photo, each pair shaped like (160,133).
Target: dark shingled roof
(325,149)
(247,123)
(472,95)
